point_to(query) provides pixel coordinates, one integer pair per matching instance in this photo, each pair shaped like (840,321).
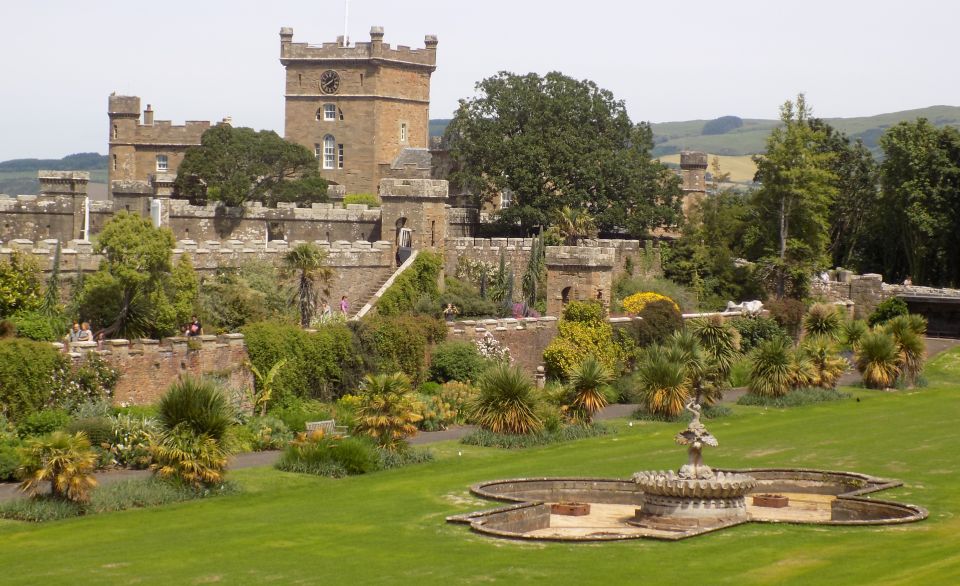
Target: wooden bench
(328,427)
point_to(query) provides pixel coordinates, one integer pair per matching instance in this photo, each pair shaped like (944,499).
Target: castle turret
(693,174)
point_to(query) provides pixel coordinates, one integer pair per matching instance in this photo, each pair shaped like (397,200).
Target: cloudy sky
(203,60)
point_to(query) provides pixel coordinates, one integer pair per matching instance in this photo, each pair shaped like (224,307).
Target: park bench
(328,427)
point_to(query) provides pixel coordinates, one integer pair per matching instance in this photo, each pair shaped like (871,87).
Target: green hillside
(20,175)
(672,137)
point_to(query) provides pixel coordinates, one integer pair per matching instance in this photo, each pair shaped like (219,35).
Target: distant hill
(438,125)
(749,135)
(20,175)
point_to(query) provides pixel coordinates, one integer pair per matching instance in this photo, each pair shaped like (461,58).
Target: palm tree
(852,331)
(664,383)
(719,339)
(827,364)
(388,411)
(589,383)
(65,461)
(908,332)
(772,373)
(575,225)
(878,360)
(823,319)
(308,264)
(197,404)
(506,402)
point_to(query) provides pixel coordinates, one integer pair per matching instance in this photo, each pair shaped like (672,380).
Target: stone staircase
(383,288)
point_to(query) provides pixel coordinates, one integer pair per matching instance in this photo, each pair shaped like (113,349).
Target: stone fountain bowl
(670,484)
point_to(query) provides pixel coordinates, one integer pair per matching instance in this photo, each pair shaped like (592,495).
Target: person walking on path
(344,306)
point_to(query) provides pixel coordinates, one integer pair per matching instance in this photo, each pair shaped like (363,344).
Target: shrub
(908,331)
(685,298)
(38,326)
(43,422)
(506,403)
(397,343)
(827,365)
(26,375)
(459,397)
(456,361)
(390,459)
(195,460)
(664,385)
(887,310)
(130,442)
(9,457)
(39,509)
(851,332)
(295,412)
(65,461)
(419,279)
(795,398)
(268,433)
(878,360)
(660,319)
(370,199)
(435,412)
(823,319)
(636,303)
(772,373)
(323,364)
(755,330)
(585,312)
(707,412)
(388,411)
(577,339)
(788,312)
(466,298)
(486,438)
(323,455)
(99,430)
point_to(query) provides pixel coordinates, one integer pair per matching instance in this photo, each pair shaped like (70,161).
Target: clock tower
(363,110)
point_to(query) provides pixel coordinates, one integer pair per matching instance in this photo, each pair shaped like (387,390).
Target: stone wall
(526,338)
(148,367)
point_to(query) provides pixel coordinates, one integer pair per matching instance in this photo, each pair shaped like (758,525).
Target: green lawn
(389,527)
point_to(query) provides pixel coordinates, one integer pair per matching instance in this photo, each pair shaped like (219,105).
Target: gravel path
(8,490)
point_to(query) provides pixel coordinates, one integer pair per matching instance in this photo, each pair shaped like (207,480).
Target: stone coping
(527,517)
(146,345)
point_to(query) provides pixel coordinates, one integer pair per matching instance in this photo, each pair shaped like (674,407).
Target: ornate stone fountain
(695,494)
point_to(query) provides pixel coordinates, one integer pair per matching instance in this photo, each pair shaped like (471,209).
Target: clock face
(329,81)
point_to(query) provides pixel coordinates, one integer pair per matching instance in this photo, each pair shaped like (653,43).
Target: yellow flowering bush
(576,340)
(635,303)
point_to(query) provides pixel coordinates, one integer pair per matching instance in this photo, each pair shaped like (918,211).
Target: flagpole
(346,14)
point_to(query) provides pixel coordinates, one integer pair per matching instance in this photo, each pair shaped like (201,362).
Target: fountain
(671,505)
(696,494)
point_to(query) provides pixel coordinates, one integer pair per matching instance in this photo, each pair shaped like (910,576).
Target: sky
(207,59)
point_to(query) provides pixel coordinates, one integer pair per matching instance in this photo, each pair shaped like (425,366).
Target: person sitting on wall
(194,328)
(84,335)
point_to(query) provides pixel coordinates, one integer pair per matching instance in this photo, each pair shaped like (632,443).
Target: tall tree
(234,165)
(555,141)
(307,263)
(793,203)
(920,204)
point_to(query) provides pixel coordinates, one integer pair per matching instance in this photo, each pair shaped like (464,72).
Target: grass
(388,527)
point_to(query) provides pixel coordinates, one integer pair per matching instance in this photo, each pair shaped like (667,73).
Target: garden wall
(148,367)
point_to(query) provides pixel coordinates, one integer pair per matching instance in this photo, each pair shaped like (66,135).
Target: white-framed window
(329,152)
(162,163)
(329,112)
(317,150)
(506,198)
(339,156)
(403,132)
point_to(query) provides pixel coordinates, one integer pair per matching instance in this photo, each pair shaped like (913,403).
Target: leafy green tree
(137,291)
(918,224)
(20,288)
(793,204)
(308,264)
(234,165)
(554,141)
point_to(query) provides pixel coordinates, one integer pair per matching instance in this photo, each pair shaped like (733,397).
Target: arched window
(329,152)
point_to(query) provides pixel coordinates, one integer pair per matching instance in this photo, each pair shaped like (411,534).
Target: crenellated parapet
(340,50)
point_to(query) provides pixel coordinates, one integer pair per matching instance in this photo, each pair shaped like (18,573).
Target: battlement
(693,160)
(580,256)
(123,106)
(414,188)
(525,243)
(255,210)
(376,50)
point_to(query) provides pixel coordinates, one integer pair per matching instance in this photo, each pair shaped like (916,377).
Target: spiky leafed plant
(771,371)
(307,263)
(199,404)
(65,461)
(388,411)
(196,460)
(911,322)
(823,319)
(589,384)
(705,379)
(664,384)
(908,331)
(720,340)
(194,417)
(506,403)
(878,360)
(575,225)
(803,371)
(265,384)
(852,331)
(828,365)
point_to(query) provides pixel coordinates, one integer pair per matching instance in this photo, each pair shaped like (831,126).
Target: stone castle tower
(693,174)
(363,109)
